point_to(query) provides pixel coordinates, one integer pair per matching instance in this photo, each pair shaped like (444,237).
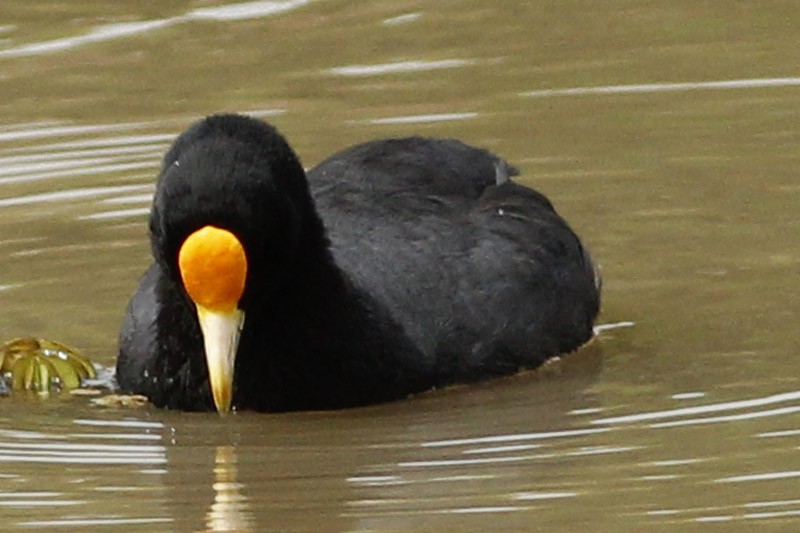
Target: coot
(392,267)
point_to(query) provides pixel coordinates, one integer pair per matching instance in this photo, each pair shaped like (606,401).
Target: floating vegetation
(42,365)
(121,400)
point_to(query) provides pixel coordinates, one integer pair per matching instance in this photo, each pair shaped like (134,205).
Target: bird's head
(229,214)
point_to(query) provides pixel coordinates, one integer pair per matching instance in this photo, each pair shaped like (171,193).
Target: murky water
(666,133)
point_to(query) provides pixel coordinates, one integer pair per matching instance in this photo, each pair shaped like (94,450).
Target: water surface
(666,134)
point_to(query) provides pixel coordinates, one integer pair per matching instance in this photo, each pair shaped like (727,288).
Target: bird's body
(417,263)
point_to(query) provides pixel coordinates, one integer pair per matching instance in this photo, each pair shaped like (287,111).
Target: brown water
(687,194)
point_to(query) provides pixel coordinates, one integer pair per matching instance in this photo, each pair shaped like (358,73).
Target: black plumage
(391,267)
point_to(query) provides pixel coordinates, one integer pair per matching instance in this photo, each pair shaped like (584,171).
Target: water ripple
(422,119)
(401,19)
(470,462)
(702,409)
(724,514)
(529,496)
(157,141)
(43,449)
(96,522)
(63,462)
(38,132)
(54,166)
(71,194)
(784,433)
(760,477)
(399,67)
(516,437)
(119,423)
(108,32)
(80,171)
(118,213)
(747,83)
(728,418)
(246,10)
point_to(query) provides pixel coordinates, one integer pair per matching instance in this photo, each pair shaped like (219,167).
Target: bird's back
(481,272)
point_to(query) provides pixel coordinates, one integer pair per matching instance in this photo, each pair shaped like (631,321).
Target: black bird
(392,267)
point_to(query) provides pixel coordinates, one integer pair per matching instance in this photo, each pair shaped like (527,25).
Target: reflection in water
(230,510)
(95,454)
(45,474)
(56,448)
(450,467)
(80,524)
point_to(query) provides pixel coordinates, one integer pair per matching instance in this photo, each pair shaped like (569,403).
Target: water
(666,134)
